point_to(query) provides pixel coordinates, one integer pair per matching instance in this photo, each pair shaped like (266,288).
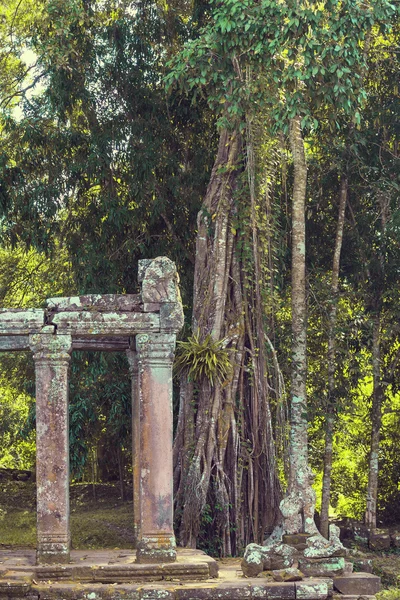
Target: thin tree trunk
(120,458)
(94,472)
(376,420)
(330,412)
(298,468)
(378,394)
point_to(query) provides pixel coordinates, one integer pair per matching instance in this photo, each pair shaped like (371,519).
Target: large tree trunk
(330,409)
(224,462)
(216,311)
(298,465)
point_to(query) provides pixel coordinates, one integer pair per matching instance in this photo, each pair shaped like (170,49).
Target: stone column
(134,372)
(155,354)
(52,357)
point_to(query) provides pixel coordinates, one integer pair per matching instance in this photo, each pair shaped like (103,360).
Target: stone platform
(114,575)
(108,566)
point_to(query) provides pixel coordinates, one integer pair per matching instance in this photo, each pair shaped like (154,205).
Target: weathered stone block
(358,583)
(291,574)
(195,593)
(362,564)
(231,591)
(395,539)
(322,567)
(274,591)
(379,541)
(14,589)
(87,323)
(259,558)
(348,567)
(329,583)
(311,590)
(319,547)
(15,321)
(194,572)
(98,302)
(171,316)
(296,539)
(150,592)
(361,533)
(357,597)
(160,281)
(94,591)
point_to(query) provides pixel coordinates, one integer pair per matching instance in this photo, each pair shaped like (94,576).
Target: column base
(52,552)
(156,548)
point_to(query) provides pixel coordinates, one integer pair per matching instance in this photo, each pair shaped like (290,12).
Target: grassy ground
(101,522)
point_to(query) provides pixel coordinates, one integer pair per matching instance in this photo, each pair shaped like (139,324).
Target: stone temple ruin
(289,566)
(145,327)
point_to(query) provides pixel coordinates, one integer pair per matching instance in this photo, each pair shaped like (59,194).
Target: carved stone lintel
(14,321)
(14,343)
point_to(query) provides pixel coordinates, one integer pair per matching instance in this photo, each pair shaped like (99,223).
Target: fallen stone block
(361,533)
(348,567)
(395,539)
(312,589)
(363,565)
(260,558)
(322,567)
(274,591)
(291,574)
(363,584)
(379,541)
(296,540)
(292,539)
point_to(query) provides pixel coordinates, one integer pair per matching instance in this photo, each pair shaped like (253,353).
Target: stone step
(361,584)
(135,572)
(322,567)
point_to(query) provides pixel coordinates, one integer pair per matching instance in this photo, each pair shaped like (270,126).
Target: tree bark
(216,311)
(376,420)
(378,393)
(330,409)
(298,464)
(224,447)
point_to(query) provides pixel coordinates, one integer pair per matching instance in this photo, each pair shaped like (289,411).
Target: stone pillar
(155,354)
(134,372)
(52,357)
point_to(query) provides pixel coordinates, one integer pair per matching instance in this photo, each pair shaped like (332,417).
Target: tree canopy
(133,130)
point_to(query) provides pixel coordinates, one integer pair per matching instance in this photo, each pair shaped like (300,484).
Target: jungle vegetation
(255,143)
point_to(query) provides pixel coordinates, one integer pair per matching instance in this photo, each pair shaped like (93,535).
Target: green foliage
(17,452)
(294,59)
(203,358)
(390,594)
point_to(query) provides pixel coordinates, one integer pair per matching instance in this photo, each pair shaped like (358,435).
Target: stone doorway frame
(145,327)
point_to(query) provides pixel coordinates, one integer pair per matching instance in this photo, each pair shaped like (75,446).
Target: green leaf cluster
(203,358)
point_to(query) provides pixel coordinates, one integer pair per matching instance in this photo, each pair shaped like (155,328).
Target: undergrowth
(105,522)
